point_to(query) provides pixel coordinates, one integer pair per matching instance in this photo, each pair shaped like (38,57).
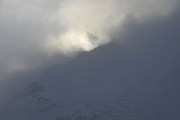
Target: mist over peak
(91,48)
(35,31)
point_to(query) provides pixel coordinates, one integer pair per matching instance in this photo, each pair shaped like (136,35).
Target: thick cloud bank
(34,34)
(37,33)
(88,23)
(32,31)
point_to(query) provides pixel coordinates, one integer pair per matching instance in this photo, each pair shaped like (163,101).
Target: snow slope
(35,105)
(91,87)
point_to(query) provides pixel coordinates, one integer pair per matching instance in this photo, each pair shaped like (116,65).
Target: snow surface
(87,88)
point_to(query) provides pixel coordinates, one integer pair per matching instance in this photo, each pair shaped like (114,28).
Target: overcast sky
(35,35)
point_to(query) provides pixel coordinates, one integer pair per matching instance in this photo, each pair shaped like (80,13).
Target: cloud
(34,31)
(35,34)
(98,18)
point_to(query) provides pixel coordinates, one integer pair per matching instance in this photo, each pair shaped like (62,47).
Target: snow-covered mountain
(110,83)
(94,86)
(35,106)
(138,80)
